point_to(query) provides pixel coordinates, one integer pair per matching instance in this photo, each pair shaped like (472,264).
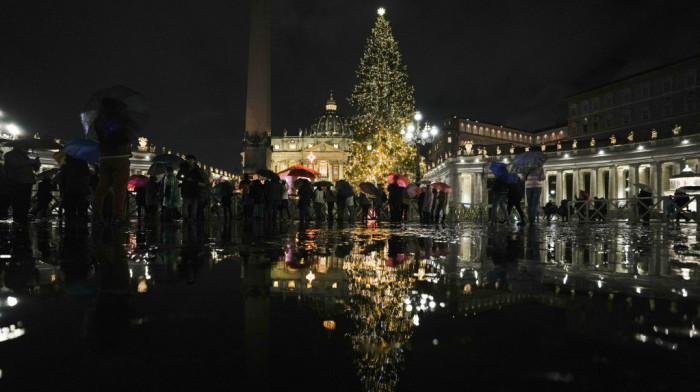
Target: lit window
(292,146)
(310,145)
(335,145)
(277,146)
(449,139)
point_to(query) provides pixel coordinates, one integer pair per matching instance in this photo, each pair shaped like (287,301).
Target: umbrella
(267,173)
(423,182)
(413,190)
(134,106)
(297,184)
(500,170)
(168,159)
(402,181)
(344,189)
(299,171)
(137,181)
(689,188)
(644,187)
(33,143)
(522,163)
(327,184)
(441,186)
(82,149)
(369,188)
(224,188)
(513,178)
(48,173)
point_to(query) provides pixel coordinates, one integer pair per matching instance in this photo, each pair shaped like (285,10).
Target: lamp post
(419,135)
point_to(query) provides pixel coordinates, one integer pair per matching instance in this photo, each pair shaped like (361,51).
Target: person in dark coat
(20,179)
(550,210)
(680,201)
(644,205)
(256,193)
(140,201)
(273,198)
(4,191)
(75,188)
(331,198)
(43,198)
(152,188)
(226,196)
(190,188)
(244,187)
(364,203)
(395,200)
(306,194)
(440,212)
(500,197)
(515,195)
(379,199)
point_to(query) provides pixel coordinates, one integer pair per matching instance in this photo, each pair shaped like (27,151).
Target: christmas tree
(384,104)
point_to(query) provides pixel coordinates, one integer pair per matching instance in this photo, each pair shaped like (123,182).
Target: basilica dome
(330,123)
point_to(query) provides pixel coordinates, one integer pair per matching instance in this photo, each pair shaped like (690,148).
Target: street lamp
(419,135)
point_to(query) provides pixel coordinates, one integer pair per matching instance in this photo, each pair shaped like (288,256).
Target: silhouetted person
(395,199)
(152,190)
(515,195)
(75,188)
(273,198)
(533,189)
(440,209)
(191,187)
(43,198)
(331,198)
(114,147)
(550,209)
(306,194)
(20,179)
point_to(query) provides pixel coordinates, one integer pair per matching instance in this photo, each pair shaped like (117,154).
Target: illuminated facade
(645,128)
(325,146)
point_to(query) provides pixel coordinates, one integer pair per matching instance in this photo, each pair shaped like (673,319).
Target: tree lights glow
(384,103)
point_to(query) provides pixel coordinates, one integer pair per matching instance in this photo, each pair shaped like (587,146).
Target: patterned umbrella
(441,186)
(522,163)
(401,180)
(137,181)
(134,106)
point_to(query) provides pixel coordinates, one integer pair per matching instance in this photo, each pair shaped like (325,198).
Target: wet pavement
(217,306)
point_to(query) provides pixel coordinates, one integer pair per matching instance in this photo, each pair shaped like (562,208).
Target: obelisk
(258,118)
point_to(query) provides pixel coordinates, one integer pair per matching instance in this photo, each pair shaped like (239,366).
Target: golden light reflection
(329,325)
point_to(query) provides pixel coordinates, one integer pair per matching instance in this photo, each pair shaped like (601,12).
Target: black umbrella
(161,162)
(327,184)
(133,102)
(33,144)
(51,173)
(267,173)
(344,189)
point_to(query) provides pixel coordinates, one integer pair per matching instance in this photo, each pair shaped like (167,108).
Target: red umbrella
(441,186)
(299,171)
(137,181)
(400,181)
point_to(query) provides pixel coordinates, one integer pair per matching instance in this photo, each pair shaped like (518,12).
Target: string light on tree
(384,103)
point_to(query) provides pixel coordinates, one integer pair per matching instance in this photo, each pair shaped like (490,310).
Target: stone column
(560,186)
(594,182)
(479,184)
(612,182)
(455,184)
(655,178)
(576,186)
(258,116)
(633,177)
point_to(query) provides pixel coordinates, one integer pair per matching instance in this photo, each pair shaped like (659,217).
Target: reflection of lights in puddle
(11,301)
(416,320)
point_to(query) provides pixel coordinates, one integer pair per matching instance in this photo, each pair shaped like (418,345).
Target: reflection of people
(20,180)
(533,189)
(171,195)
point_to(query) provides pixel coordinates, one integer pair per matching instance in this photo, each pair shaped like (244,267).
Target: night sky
(505,62)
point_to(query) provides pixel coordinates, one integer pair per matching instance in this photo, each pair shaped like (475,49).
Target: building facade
(324,146)
(643,129)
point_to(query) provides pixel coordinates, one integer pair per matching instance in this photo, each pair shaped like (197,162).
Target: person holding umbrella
(500,198)
(114,148)
(395,199)
(192,182)
(534,180)
(20,180)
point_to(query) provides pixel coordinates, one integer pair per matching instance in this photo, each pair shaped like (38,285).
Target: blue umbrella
(500,170)
(526,161)
(513,178)
(82,149)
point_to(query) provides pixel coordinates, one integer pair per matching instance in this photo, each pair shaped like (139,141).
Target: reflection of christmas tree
(384,103)
(381,327)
